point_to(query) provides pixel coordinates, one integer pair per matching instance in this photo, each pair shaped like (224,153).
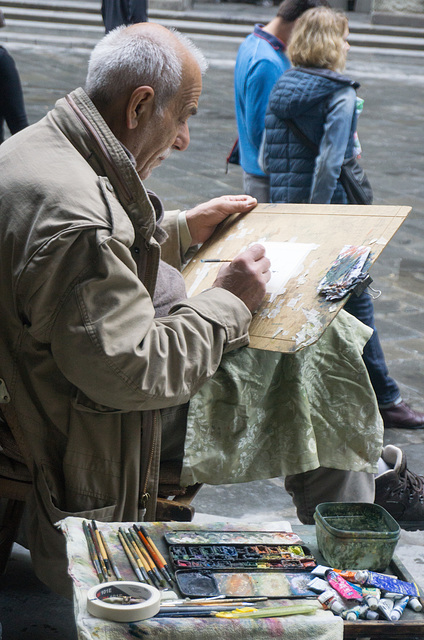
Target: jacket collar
(327,73)
(275,42)
(88,132)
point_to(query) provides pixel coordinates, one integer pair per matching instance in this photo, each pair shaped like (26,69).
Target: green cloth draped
(265,414)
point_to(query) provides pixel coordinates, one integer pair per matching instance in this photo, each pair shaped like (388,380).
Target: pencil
(101,547)
(129,555)
(162,563)
(92,552)
(111,561)
(216,260)
(99,553)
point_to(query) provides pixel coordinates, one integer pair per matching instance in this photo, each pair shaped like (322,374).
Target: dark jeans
(118,12)
(12,107)
(385,387)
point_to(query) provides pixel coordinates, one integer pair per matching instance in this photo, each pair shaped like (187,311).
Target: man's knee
(327,485)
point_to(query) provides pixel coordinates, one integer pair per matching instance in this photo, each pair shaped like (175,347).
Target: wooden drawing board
(299,315)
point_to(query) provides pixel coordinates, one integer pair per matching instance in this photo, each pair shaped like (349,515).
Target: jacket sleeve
(107,343)
(332,148)
(260,82)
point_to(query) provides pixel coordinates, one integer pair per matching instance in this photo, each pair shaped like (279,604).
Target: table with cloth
(322,625)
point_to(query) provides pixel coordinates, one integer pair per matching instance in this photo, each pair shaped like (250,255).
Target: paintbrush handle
(270,612)
(92,552)
(129,555)
(111,560)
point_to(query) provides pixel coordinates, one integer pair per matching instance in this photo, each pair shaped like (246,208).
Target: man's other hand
(202,220)
(246,276)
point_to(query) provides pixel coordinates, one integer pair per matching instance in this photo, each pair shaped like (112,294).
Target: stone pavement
(391,133)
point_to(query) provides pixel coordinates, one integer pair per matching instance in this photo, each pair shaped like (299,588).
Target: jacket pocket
(104,513)
(81,402)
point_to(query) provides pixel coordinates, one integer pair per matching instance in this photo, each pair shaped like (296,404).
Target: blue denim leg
(385,387)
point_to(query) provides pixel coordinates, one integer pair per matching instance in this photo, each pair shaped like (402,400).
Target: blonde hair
(317,39)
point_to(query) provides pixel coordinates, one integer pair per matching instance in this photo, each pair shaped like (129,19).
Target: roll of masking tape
(123,601)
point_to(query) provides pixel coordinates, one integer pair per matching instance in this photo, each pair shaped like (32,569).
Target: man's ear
(139,106)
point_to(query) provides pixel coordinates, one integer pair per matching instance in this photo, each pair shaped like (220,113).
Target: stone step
(83,6)
(93,31)
(74,17)
(216,13)
(46,29)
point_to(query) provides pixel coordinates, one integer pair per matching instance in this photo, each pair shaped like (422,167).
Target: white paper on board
(287,260)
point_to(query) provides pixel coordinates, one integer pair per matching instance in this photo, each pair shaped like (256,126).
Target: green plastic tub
(355,535)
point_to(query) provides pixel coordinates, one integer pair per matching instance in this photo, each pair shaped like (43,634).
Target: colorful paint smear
(232,537)
(243,584)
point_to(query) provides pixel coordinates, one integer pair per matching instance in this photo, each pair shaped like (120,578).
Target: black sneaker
(400,491)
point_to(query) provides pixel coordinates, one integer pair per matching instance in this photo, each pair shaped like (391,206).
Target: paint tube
(347,575)
(320,570)
(351,614)
(341,586)
(399,608)
(360,611)
(415,604)
(387,583)
(359,576)
(318,585)
(356,588)
(371,597)
(393,596)
(366,614)
(385,607)
(329,600)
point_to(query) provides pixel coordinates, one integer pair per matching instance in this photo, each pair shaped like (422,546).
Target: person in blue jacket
(322,104)
(261,59)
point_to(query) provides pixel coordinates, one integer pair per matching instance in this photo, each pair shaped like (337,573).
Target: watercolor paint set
(244,563)
(269,584)
(244,557)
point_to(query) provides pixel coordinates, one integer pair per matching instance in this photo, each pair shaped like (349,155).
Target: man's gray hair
(126,58)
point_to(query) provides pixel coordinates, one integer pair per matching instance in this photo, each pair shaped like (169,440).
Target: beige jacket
(85,363)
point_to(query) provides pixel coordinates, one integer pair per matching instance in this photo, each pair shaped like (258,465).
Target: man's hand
(203,219)
(246,276)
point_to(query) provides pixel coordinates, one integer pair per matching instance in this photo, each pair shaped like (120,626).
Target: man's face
(169,130)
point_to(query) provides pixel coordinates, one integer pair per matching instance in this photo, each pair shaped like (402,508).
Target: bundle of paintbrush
(144,557)
(100,554)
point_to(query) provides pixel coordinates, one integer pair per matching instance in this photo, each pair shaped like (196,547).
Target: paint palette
(249,557)
(271,584)
(274,564)
(232,537)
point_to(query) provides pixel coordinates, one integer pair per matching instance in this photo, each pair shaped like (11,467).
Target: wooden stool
(173,501)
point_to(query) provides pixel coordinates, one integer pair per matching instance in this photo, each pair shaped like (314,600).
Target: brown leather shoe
(401,416)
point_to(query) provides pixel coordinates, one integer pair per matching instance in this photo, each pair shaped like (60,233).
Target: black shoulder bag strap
(299,134)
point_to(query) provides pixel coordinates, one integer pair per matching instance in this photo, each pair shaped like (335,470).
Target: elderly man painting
(100,350)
